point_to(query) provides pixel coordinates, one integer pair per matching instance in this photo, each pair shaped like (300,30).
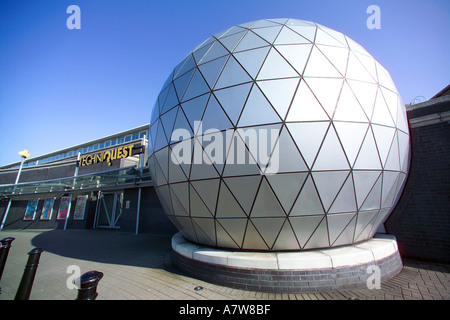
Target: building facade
(104,183)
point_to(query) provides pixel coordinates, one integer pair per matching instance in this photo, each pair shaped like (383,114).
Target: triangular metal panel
(232,100)
(347,235)
(216,51)
(307,31)
(368,63)
(307,202)
(364,222)
(227,206)
(194,108)
(381,114)
(391,99)
(279,93)
(338,57)
(389,189)
(337,223)
(328,185)
(368,157)
(327,91)
(235,228)
(297,55)
(197,206)
(403,147)
(250,41)
(279,163)
(383,137)
(356,70)
(244,189)
(239,161)
(205,229)
(319,239)
(286,187)
(319,66)
(202,166)
(373,199)
(196,87)
(266,204)
(168,120)
(232,74)
(257,110)
(287,36)
(393,158)
(223,238)
(308,136)
(331,155)
(364,182)
(305,106)
(253,239)
(351,136)
(181,191)
(182,83)
(286,239)
(348,108)
(178,208)
(214,118)
(384,78)
(365,93)
(208,191)
(212,70)
(346,199)
(230,41)
(304,227)
(171,99)
(252,60)
(268,228)
(268,34)
(187,64)
(275,66)
(182,123)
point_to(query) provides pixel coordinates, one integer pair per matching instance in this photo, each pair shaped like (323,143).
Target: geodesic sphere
(278,135)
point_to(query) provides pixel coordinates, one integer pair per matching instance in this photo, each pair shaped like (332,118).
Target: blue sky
(61,87)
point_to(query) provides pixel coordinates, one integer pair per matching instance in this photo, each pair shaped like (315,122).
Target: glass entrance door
(109,209)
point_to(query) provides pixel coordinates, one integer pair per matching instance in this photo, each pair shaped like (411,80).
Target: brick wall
(421,219)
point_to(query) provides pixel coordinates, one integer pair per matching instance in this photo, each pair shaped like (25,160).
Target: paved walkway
(137,267)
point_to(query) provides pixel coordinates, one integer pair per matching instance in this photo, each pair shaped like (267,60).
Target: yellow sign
(108,156)
(24,153)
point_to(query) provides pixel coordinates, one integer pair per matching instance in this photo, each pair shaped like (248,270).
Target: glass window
(120,140)
(135,136)
(107,143)
(127,138)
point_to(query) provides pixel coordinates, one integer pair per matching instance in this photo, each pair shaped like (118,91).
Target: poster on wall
(64,208)
(80,207)
(47,209)
(31,209)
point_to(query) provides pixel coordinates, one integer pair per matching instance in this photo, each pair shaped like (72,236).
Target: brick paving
(137,267)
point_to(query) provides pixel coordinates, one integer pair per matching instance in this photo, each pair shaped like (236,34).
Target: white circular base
(331,268)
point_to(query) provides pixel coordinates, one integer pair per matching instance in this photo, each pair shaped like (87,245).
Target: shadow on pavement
(107,246)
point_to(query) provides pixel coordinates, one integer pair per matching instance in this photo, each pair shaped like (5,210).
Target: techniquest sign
(108,155)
